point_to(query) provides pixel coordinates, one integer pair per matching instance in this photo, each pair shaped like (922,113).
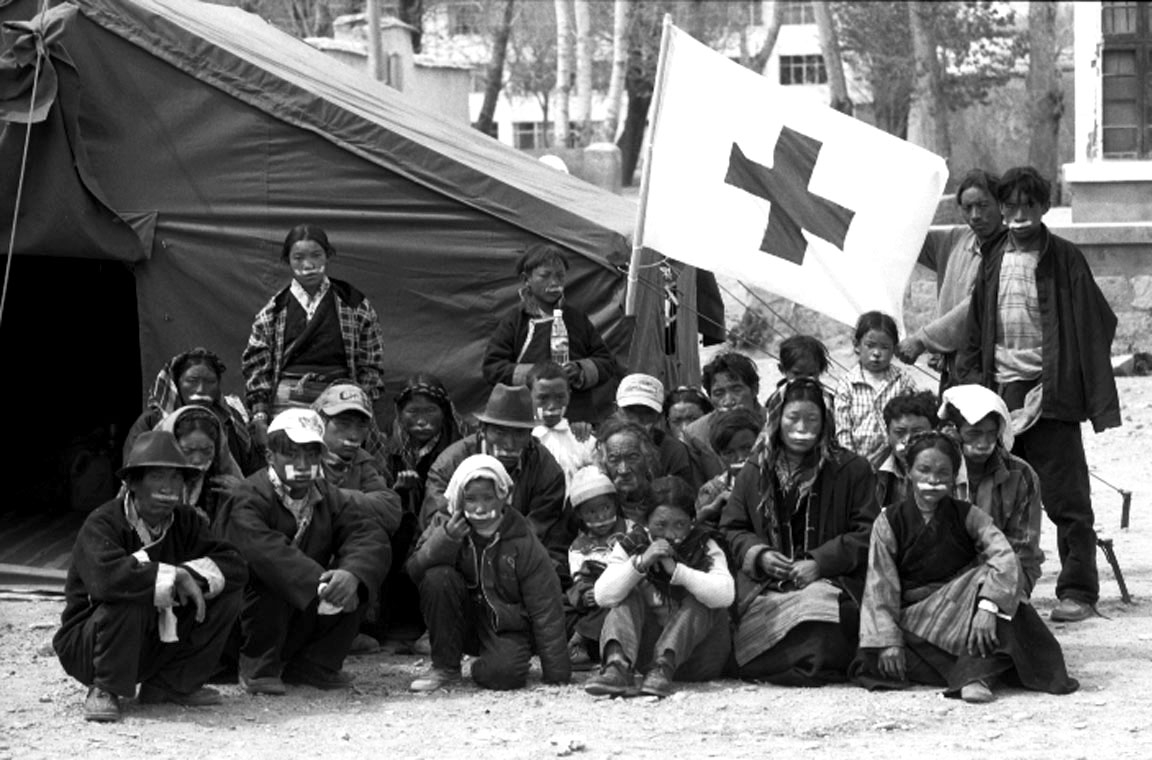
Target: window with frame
(802,69)
(797,12)
(529,135)
(1126,79)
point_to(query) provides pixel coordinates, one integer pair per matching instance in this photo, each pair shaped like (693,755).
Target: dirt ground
(40,707)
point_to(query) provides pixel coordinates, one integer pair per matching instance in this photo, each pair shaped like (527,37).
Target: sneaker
(270,685)
(364,644)
(1071,611)
(613,680)
(310,674)
(101,706)
(581,660)
(435,678)
(658,682)
(977,693)
(150,694)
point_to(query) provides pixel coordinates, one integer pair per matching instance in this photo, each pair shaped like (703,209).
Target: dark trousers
(458,624)
(119,646)
(274,633)
(1055,450)
(696,640)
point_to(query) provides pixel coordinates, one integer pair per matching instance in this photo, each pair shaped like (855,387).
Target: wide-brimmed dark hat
(156,448)
(509,406)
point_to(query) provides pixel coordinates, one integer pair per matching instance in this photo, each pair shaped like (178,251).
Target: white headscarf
(474,467)
(974,403)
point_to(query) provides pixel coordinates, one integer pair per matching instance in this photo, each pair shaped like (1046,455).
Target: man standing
(314,556)
(954,255)
(1040,334)
(151,595)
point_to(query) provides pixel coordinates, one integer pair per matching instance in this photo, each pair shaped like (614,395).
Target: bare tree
(411,12)
(495,80)
(1044,89)
(583,17)
(833,63)
(564,55)
(928,119)
(621,10)
(773,16)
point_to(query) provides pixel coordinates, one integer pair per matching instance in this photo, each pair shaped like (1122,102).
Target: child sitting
(487,586)
(668,587)
(733,435)
(904,416)
(602,526)
(571,444)
(862,393)
(523,336)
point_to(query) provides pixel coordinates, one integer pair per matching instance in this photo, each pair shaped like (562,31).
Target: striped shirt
(859,410)
(1018,331)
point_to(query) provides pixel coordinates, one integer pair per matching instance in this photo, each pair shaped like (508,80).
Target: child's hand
(659,548)
(588,598)
(457,526)
(775,565)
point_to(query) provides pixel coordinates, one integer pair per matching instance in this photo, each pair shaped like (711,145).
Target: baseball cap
(300,425)
(641,390)
(343,397)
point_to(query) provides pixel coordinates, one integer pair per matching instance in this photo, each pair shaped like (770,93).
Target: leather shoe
(613,680)
(313,675)
(976,693)
(658,682)
(270,685)
(151,694)
(1071,611)
(101,706)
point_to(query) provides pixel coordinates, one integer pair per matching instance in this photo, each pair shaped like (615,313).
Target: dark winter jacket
(1078,326)
(342,536)
(514,578)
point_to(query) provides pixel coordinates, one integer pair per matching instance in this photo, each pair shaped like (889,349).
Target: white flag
(753,181)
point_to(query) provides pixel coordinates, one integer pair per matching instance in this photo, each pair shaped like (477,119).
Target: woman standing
(797,524)
(311,333)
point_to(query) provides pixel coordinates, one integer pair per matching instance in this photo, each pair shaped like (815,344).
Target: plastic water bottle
(559,338)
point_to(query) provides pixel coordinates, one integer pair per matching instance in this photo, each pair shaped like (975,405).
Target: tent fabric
(186,139)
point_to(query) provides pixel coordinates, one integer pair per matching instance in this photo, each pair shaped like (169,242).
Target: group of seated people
(686,536)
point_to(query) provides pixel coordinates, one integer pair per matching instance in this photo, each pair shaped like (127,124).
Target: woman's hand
(805,573)
(891,662)
(775,565)
(657,549)
(982,635)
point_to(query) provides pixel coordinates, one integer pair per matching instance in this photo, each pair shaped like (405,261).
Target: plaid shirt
(1009,493)
(359,327)
(859,410)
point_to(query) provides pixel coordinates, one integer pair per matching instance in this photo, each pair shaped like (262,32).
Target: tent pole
(645,174)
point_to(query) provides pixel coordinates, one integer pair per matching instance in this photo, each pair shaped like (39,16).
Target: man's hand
(187,591)
(457,526)
(341,589)
(982,635)
(909,350)
(574,374)
(581,430)
(657,549)
(805,573)
(775,565)
(406,480)
(891,662)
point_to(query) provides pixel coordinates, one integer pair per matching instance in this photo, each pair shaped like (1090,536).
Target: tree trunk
(621,12)
(928,118)
(564,54)
(496,71)
(412,14)
(632,138)
(773,15)
(583,15)
(833,64)
(1044,89)
(375,51)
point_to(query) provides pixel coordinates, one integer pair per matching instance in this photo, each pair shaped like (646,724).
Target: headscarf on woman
(478,467)
(196,495)
(451,427)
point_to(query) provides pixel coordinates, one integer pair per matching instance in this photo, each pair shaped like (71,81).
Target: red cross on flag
(750,180)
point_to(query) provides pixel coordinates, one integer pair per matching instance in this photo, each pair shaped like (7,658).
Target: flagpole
(645,174)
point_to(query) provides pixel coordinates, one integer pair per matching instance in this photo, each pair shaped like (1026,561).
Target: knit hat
(587,484)
(640,390)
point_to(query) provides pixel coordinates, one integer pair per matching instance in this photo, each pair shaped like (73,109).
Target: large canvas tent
(185,139)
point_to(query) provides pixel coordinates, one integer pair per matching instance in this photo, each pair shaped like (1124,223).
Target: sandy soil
(40,707)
